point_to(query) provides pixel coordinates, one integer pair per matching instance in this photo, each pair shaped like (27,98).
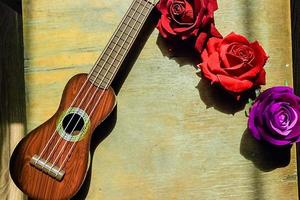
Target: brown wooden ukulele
(51,162)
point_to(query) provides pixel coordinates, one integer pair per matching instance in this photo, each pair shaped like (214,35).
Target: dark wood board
(295,16)
(12,94)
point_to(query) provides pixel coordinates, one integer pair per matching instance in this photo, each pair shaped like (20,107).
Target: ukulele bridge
(47,167)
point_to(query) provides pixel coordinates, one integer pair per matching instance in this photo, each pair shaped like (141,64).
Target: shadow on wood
(182,53)
(264,156)
(216,97)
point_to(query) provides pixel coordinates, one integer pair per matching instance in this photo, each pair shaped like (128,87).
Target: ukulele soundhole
(73,124)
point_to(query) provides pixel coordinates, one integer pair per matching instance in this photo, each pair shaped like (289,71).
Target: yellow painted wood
(173,138)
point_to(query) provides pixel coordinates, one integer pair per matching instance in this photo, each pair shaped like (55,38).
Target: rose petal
(238,68)
(260,54)
(233,37)
(267,137)
(251,74)
(274,90)
(290,98)
(260,78)
(271,113)
(251,123)
(213,45)
(234,85)
(293,118)
(223,55)
(162,7)
(278,131)
(295,132)
(204,55)
(214,31)
(273,124)
(189,13)
(162,31)
(215,65)
(200,42)
(165,24)
(212,5)
(206,72)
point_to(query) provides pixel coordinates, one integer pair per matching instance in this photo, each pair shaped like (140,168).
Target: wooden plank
(295,15)
(173,137)
(12,98)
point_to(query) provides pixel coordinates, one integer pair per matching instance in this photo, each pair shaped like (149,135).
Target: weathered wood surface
(12,95)
(174,138)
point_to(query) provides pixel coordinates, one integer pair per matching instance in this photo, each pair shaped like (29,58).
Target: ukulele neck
(109,62)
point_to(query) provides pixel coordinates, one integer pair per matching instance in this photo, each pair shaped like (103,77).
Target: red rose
(234,63)
(184,19)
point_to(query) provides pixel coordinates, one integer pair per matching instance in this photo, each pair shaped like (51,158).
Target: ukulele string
(86,81)
(114,73)
(95,92)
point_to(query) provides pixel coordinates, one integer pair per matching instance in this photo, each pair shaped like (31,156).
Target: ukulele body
(36,183)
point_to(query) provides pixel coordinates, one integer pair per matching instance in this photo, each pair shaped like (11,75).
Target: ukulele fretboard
(116,50)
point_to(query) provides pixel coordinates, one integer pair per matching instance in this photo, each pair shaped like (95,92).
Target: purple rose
(275,116)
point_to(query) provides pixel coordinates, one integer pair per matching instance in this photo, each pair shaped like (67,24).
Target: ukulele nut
(47,167)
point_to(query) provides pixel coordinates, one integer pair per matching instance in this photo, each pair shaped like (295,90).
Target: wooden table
(171,136)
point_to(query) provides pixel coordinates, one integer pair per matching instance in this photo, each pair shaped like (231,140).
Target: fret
(100,68)
(117,57)
(103,75)
(110,50)
(106,61)
(130,27)
(106,64)
(113,55)
(118,50)
(115,52)
(125,30)
(135,27)
(120,42)
(130,20)
(96,80)
(123,46)
(101,82)
(128,31)
(121,34)
(139,5)
(136,14)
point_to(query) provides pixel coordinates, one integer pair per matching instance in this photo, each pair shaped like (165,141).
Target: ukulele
(51,162)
